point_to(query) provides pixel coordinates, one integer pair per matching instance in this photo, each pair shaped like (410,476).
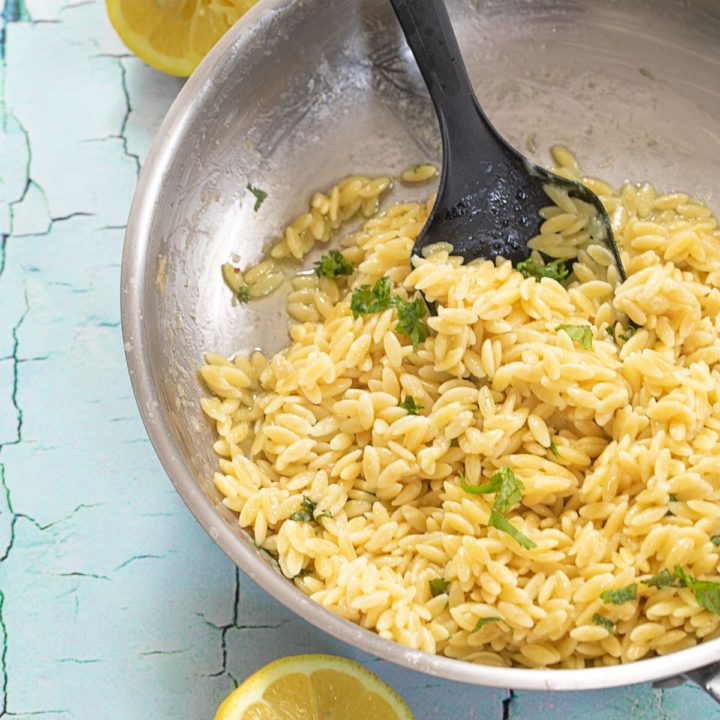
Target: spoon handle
(464,127)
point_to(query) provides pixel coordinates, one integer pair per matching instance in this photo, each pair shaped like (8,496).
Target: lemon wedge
(313,687)
(174,35)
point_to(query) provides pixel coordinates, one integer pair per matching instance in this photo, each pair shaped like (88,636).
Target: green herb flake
(482,622)
(715,540)
(707,592)
(503,524)
(301,516)
(509,492)
(579,333)
(410,405)
(553,449)
(438,586)
(367,300)
(610,330)
(663,579)
(493,485)
(411,320)
(555,270)
(243,294)
(260,196)
(307,514)
(333,265)
(619,596)
(629,332)
(604,622)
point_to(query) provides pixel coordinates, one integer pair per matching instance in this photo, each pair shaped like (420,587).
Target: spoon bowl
(489,197)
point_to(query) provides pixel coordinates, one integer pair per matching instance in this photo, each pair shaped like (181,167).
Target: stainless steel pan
(300,93)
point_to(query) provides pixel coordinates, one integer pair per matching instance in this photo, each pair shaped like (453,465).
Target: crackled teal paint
(113,602)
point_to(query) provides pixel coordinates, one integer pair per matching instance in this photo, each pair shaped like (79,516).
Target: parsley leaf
(502,523)
(715,540)
(333,265)
(367,300)
(707,593)
(411,320)
(630,330)
(607,623)
(553,449)
(410,405)
(556,270)
(301,516)
(493,485)
(438,586)
(663,579)
(509,492)
(579,333)
(484,621)
(260,196)
(307,514)
(243,294)
(619,596)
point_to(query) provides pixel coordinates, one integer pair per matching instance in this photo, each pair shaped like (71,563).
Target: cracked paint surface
(113,602)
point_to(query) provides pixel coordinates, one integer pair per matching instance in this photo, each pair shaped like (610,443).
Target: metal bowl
(302,92)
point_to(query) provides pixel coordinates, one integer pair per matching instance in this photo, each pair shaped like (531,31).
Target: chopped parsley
(555,270)
(333,265)
(243,294)
(484,621)
(604,622)
(367,300)
(707,592)
(307,514)
(499,521)
(579,333)
(509,492)
(260,196)
(410,405)
(619,596)
(630,330)
(411,320)
(553,449)
(663,579)
(715,540)
(438,586)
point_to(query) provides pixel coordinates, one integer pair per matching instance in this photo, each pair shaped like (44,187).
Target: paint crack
(506,703)
(123,126)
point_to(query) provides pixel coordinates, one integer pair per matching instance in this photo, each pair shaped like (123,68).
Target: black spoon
(489,195)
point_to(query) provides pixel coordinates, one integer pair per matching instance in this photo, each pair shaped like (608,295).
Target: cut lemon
(174,35)
(313,687)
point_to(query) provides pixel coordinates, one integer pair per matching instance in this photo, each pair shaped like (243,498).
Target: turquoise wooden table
(114,604)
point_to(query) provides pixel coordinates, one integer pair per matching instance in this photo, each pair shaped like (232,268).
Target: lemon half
(313,687)
(174,35)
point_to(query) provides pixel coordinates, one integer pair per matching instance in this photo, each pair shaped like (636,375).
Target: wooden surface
(113,602)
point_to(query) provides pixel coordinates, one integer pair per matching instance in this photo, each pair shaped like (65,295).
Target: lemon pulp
(313,687)
(174,35)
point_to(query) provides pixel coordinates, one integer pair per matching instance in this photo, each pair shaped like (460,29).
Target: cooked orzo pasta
(530,476)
